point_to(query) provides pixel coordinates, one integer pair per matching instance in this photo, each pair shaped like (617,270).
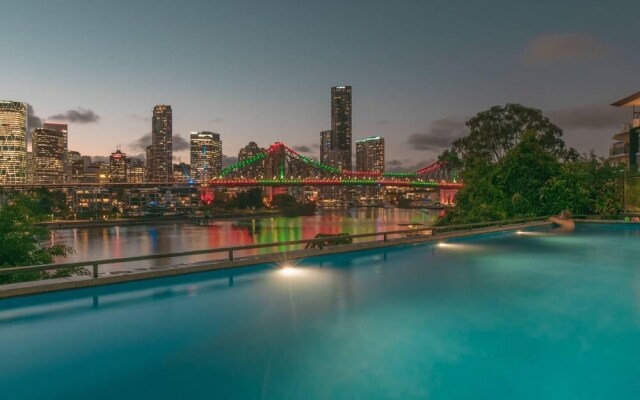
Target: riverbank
(89,223)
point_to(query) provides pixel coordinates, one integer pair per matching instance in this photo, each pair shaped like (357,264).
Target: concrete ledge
(76,282)
(604,221)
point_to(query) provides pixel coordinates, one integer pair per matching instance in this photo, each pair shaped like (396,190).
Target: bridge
(279,165)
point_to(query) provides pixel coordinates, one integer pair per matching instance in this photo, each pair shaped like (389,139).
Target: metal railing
(231,251)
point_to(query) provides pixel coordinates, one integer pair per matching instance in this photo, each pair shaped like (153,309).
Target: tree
(523,172)
(23,242)
(291,207)
(251,198)
(494,132)
(515,164)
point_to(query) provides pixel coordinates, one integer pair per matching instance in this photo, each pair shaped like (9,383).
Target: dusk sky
(262,70)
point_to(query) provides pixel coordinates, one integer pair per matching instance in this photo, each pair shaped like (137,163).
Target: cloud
(228,160)
(103,159)
(383,122)
(216,120)
(33,121)
(142,142)
(439,136)
(179,143)
(564,48)
(399,166)
(79,115)
(589,117)
(302,149)
(394,163)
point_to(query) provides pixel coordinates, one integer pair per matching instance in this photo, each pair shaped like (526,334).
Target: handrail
(230,250)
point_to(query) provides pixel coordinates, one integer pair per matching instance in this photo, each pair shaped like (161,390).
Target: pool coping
(78,282)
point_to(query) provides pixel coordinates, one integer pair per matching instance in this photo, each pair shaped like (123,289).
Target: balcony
(623,135)
(619,149)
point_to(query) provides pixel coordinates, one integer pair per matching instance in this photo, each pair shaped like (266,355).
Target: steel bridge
(279,165)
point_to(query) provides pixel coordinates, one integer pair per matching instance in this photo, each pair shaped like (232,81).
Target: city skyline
(416,78)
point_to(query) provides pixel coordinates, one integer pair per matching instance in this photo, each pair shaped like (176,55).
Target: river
(128,241)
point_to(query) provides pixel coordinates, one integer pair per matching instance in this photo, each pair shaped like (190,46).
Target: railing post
(384,237)
(95,271)
(230,255)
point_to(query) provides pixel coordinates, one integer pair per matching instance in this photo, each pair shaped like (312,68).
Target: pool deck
(77,282)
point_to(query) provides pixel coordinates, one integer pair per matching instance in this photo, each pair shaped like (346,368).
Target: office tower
(104,171)
(370,158)
(135,170)
(49,155)
(341,126)
(118,167)
(147,170)
(64,129)
(206,155)
(328,154)
(325,146)
(76,163)
(255,169)
(30,168)
(161,163)
(13,142)
(370,155)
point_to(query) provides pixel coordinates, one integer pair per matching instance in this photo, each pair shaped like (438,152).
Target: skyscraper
(135,170)
(49,155)
(246,153)
(370,154)
(206,155)
(13,142)
(118,167)
(161,162)
(64,129)
(341,113)
(370,158)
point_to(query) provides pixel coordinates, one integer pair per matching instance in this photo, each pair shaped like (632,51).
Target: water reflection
(128,241)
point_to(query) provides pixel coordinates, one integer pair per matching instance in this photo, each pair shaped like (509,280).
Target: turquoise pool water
(536,315)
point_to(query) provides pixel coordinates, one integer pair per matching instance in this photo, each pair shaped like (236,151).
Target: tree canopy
(514,163)
(23,241)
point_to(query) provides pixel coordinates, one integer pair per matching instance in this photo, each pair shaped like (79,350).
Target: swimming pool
(526,315)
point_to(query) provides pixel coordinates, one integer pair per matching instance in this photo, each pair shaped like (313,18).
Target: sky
(262,70)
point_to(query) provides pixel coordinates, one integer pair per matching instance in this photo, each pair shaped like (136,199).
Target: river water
(128,241)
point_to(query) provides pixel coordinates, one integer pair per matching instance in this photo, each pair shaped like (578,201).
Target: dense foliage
(23,241)
(515,164)
(291,207)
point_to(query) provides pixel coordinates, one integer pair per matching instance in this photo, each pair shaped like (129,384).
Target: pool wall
(77,282)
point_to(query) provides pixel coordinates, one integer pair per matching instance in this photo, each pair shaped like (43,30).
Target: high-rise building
(247,153)
(49,155)
(13,142)
(341,124)
(76,162)
(30,168)
(64,129)
(325,145)
(135,170)
(370,154)
(161,161)
(118,167)
(370,158)
(206,155)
